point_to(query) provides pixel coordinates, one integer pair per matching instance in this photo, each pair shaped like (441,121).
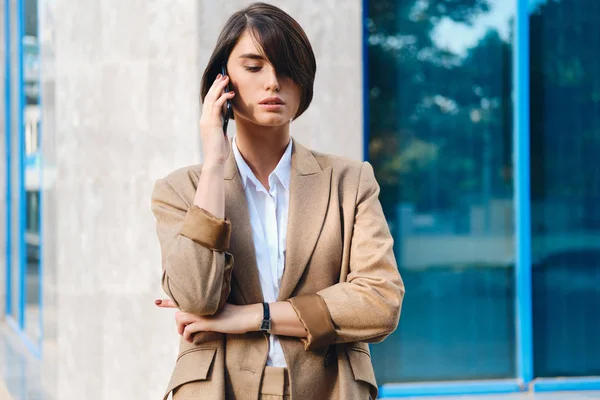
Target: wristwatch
(265,325)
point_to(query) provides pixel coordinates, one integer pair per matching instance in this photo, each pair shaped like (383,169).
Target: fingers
(182,319)
(190,329)
(165,303)
(187,324)
(216,89)
(218,104)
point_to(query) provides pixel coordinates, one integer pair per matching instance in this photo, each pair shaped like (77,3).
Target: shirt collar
(282,171)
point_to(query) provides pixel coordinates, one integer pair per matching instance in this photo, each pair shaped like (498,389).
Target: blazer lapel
(245,272)
(309,199)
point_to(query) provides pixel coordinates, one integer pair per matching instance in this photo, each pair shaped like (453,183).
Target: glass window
(31,155)
(440,140)
(565,186)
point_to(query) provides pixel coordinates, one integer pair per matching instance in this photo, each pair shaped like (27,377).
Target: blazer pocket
(192,365)
(360,362)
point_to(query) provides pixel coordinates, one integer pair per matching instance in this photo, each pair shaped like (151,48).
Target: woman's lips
(272,103)
(271,106)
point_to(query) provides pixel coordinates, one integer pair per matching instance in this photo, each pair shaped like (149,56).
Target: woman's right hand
(215,145)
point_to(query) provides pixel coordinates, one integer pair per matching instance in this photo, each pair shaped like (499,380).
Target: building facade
(481,119)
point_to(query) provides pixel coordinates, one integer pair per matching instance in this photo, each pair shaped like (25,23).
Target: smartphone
(227,111)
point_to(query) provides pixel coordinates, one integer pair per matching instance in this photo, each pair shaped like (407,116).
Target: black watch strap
(265,325)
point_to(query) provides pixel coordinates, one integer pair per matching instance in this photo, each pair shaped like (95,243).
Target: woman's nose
(272,82)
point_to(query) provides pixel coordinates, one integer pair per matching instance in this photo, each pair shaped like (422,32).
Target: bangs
(280,48)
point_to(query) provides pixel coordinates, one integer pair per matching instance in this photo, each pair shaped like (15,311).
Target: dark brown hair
(283,43)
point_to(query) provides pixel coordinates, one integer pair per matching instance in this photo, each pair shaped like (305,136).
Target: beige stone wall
(120,89)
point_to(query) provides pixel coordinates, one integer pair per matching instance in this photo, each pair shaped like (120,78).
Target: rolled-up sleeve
(314,315)
(366,306)
(205,229)
(196,267)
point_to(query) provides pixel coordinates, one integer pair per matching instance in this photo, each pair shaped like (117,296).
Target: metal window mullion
(524,323)
(8,150)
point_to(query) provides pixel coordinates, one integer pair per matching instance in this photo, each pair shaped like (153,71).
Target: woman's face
(261,96)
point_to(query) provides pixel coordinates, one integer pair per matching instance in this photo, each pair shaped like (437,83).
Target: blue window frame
(8,146)
(23,159)
(522,200)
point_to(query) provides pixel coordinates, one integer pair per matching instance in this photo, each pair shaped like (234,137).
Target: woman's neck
(262,147)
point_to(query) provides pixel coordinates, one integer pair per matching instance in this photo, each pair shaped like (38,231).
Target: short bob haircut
(281,40)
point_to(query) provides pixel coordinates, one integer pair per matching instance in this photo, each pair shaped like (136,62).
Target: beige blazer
(340,276)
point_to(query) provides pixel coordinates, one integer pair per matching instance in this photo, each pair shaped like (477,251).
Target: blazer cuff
(314,315)
(204,228)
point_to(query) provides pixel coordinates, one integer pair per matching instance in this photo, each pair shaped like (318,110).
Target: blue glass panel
(565,186)
(440,140)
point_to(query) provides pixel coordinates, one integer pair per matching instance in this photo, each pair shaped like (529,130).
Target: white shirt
(268,211)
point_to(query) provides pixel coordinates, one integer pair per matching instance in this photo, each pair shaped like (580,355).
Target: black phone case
(227,109)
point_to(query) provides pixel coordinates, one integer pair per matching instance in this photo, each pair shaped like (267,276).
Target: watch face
(265,325)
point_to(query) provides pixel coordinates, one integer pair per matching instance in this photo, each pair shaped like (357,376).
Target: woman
(278,258)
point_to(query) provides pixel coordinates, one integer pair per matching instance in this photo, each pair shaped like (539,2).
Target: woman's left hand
(231,319)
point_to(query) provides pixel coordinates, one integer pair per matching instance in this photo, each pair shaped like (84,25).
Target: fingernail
(158,302)
(232,92)
(219,76)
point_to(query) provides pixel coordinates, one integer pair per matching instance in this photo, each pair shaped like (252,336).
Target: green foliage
(432,111)
(441,123)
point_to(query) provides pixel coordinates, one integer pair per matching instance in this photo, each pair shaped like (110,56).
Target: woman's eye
(252,69)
